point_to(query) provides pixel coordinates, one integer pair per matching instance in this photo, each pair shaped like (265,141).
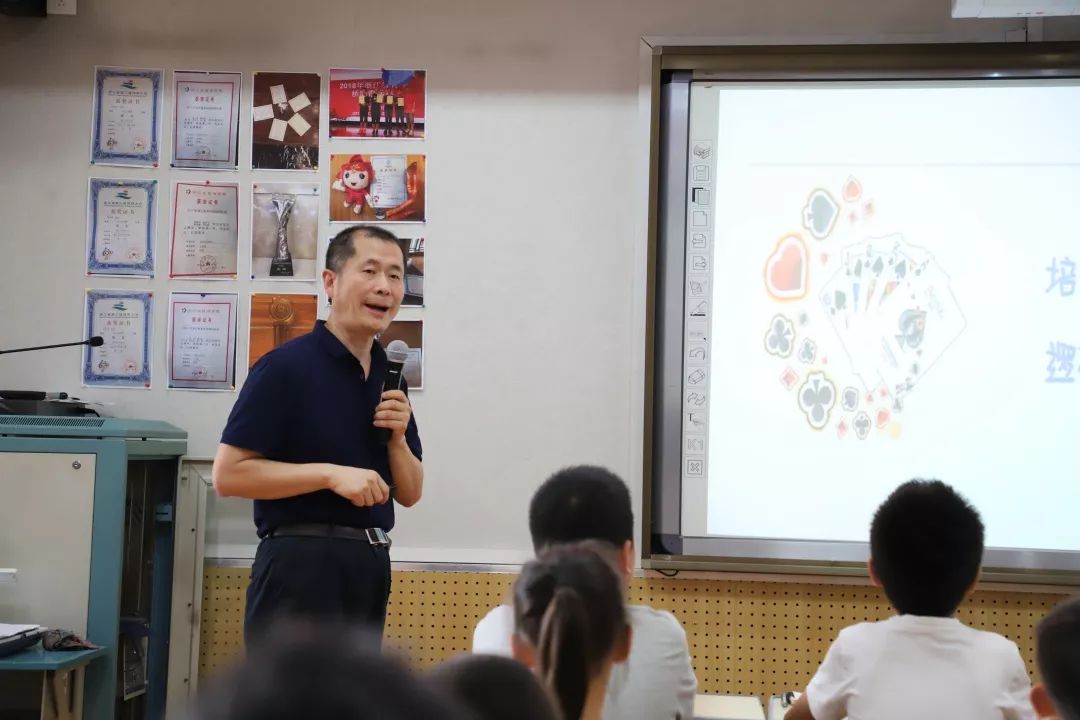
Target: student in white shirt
(590,503)
(926,545)
(1058,654)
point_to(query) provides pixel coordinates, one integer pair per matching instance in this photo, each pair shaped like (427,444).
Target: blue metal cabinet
(131,538)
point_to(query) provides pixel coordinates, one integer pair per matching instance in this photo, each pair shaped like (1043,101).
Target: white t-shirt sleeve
(1015,702)
(686,681)
(492,634)
(830,688)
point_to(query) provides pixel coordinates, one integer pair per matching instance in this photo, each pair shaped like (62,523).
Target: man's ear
(873,573)
(622,647)
(1040,700)
(626,559)
(522,651)
(328,284)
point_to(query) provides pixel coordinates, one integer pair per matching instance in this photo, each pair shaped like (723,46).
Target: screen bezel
(673,70)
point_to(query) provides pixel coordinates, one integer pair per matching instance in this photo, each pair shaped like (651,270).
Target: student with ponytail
(570,624)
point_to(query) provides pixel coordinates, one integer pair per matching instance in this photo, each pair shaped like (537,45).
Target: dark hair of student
(926,542)
(495,688)
(307,670)
(1058,654)
(584,502)
(569,606)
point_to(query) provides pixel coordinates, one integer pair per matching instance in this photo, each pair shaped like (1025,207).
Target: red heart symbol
(786,269)
(786,273)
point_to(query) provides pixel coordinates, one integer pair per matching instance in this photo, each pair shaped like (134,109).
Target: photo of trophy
(284,231)
(282,264)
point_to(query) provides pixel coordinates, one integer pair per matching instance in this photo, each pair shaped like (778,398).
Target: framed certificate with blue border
(122,318)
(127,117)
(120,220)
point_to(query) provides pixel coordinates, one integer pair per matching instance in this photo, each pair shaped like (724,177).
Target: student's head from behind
(570,621)
(1058,654)
(926,545)
(495,688)
(306,670)
(584,502)
(364,279)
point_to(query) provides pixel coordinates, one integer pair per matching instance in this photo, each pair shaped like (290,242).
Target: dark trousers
(326,579)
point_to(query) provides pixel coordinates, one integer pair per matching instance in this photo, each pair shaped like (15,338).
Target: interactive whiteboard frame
(673,69)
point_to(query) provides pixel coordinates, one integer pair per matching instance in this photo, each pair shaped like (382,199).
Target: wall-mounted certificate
(120,227)
(122,319)
(127,117)
(204,231)
(206,119)
(202,341)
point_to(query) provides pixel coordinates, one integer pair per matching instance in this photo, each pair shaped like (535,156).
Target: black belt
(372,536)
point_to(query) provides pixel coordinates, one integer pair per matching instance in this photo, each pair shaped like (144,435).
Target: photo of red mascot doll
(355,179)
(378,188)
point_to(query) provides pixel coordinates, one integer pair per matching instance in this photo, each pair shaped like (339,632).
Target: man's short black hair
(581,503)
(311,670)
(495,688)
(341,246)
(926,542)
(1058,653)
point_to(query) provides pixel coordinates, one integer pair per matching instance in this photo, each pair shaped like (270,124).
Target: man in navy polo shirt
(302,442)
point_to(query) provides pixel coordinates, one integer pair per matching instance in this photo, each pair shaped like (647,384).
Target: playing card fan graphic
(871,314)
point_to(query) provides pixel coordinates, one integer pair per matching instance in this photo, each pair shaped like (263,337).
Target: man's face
(367,291)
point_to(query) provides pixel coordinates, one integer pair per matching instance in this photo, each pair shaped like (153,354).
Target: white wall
(535,325)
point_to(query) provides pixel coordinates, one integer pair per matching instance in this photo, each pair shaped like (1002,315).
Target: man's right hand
(363,488)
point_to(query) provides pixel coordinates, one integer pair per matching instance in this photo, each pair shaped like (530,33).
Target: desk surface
(728,707)
(38,658)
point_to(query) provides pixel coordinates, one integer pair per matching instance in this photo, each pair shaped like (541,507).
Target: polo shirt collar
(330,342)
(926,622)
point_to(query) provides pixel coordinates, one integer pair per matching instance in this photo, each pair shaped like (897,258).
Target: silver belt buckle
(377,536)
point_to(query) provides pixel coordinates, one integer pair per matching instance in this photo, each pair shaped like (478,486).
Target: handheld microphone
(96,341)
(397,352)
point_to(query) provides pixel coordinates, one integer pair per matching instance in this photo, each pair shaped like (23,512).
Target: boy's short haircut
(926,544)
(1058,654)
(585,502)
